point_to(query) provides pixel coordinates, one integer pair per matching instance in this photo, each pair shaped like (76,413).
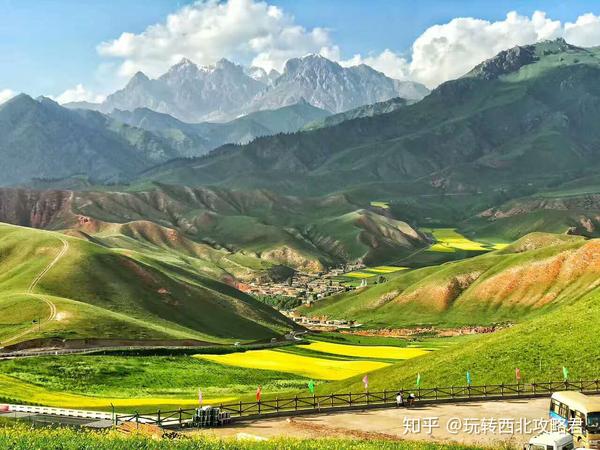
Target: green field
(133,382)
(370,274)
(146,383)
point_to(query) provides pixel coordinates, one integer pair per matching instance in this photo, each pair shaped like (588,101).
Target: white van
(551,441)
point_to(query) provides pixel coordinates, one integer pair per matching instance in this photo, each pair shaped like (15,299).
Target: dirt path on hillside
(33,285)
(492,422)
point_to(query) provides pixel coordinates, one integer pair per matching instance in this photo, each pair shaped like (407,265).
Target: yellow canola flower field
(386,269)
(448,240)
(308,366)
(11,387)
(366,351)
(359,275)
(384,205)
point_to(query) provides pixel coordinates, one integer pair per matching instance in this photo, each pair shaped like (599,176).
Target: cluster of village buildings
(307,287)
(320,323)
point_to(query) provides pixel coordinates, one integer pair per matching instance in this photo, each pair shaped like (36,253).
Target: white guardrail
(98,415)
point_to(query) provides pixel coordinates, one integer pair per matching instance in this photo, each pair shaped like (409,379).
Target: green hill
(362,111)
(541,347)
(538,273)
(41,139)
(78,289)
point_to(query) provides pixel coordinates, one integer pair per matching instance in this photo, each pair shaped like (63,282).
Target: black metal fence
(339,402)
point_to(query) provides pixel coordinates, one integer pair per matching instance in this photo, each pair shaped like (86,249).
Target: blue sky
(48,46)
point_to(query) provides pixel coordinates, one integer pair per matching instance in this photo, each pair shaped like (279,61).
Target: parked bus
(580,415)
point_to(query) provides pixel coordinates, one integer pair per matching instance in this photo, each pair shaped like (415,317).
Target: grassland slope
(106,293)
(536,273)
(540,348)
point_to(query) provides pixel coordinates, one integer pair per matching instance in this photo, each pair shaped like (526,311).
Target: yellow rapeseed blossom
(311,367)
(366,351)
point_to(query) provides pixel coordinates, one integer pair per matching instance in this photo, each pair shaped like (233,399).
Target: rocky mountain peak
(513,59)
(505,62)
(309,63)
(138,79)
(19,99)
(225,64)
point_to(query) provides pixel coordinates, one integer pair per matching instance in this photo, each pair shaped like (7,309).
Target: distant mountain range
(41,139)
(227,91)
(195,139)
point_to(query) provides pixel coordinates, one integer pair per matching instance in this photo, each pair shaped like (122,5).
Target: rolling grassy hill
(256,228)
(540,347)
(536,274)
(78,289)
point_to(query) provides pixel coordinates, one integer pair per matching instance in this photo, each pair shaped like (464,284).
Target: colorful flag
(366,381)
(518,374)
(565,373)
(258,393)
(469,378)
(311,386)
(200,397)
(419,380)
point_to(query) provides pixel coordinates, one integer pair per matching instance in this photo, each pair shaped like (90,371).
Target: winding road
(33,285)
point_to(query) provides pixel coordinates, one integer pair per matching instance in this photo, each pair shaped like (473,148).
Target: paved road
(399,424)
(33,285)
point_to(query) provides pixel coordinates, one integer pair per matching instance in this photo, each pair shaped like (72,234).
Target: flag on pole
(311,386)
(200,398)
(469,378)
(518,374)
(366,382)
(258,393)
(419,380)
(565,373)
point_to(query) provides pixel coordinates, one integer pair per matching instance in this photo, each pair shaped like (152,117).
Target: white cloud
(78,94)
(585,32)
(448,51)
(253,32)
(241,30)
(6,94)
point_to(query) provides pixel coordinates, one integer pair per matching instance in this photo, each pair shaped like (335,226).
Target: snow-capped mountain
(190,93)
(226,90)
(327,85)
